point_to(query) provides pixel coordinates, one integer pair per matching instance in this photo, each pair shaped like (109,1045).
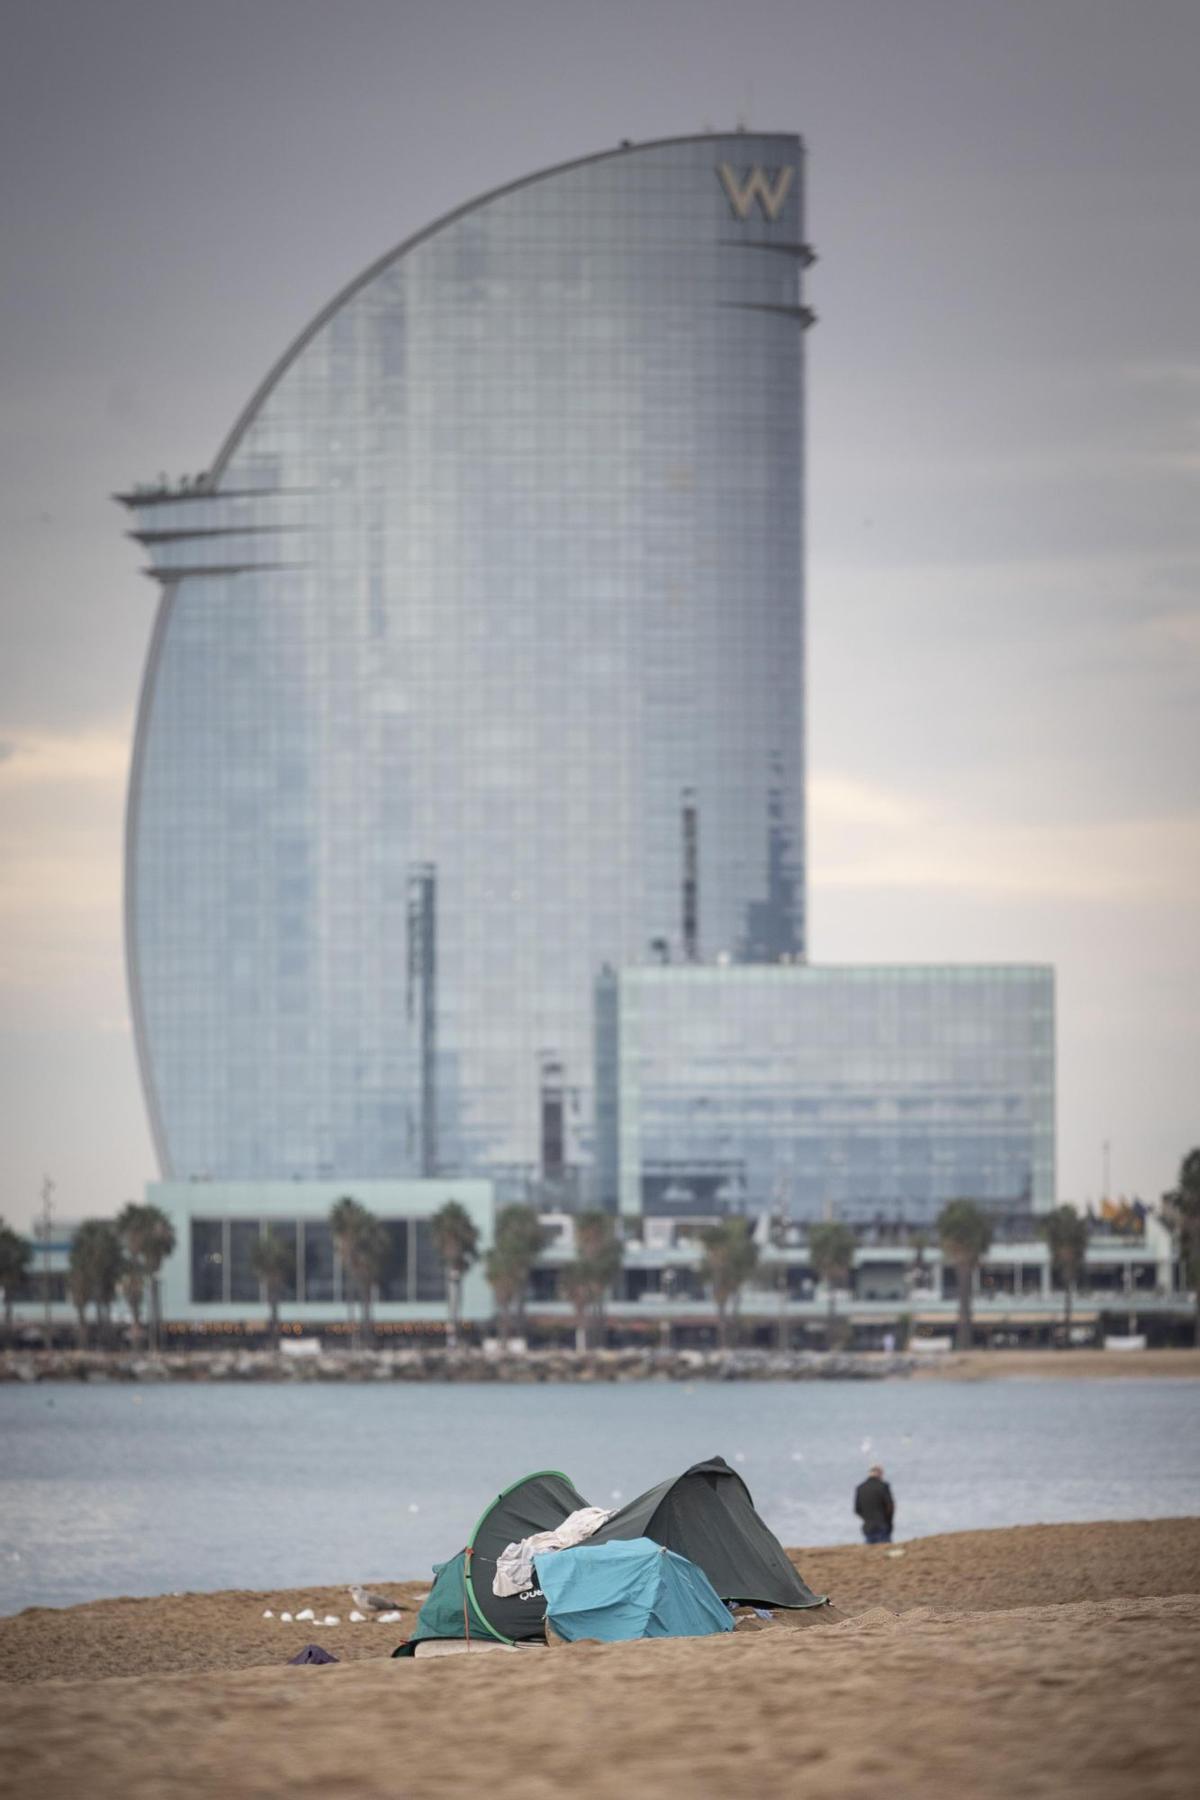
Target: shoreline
(1059,1365)
(1054,1660)
(993,1570)
(100,1367)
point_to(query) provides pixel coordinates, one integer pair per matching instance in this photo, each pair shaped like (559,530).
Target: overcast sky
(1004,433)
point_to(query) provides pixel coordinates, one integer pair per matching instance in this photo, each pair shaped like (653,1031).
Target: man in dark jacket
(875,1506)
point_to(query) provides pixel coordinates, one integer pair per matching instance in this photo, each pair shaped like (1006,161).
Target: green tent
(707,1515)
(461,1602)
(443,1614)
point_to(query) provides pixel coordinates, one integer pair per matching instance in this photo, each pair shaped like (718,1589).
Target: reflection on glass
(287,1230)
(394,1281)
(497,587)
(430,1271)
(208,1261)
(867,1092)
(243,1236)
(318,1260)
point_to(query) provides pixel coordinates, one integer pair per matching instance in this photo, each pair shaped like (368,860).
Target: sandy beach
(1060,1365)
(1054,1660)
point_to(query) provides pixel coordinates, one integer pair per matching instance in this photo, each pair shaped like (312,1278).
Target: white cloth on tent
(514,1565)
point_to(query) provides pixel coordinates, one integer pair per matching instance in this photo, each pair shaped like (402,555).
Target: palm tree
(456,1240)
(965,1232)
(730,1258)
(273,1259)
(356,1235)
(148,1238)
(520,1239)
(1181,1207)
(586,1280)
(374,1253)
(575,1284)
(831,1253)
(133,1280)
(16,1257)
(1066,1234)
(79,1286)
(94,1272)
(597,1243)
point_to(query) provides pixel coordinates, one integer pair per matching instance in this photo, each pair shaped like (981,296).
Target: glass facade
(222,1272)
(210,1276)
(866,1092)
(478,667)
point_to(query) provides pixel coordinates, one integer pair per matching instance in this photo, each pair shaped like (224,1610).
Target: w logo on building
(770,194)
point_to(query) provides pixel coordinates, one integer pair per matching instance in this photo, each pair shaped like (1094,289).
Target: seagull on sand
(368,1602)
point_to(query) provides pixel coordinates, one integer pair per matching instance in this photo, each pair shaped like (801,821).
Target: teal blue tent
(634,1588)
(444,1613)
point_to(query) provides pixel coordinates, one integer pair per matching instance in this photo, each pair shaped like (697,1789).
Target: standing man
(875,1506)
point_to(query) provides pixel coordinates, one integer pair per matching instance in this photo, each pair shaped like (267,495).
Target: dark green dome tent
(461,1602)
(707,1515)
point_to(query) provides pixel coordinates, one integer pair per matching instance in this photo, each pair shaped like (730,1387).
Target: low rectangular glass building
(865,1092)
(210,1278)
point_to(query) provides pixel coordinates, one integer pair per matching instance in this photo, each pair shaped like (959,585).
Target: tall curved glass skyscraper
(478,668)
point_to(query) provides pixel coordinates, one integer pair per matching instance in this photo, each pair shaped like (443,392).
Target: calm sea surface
(120,1490)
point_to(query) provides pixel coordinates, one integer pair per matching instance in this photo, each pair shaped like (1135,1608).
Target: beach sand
(1061,1365)
(1050,1660)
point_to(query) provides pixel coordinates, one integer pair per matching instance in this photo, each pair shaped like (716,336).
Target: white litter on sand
(308,1613)
(357,1618)
(268,1614)
(332,1619)
(285,1618)
(388,1618)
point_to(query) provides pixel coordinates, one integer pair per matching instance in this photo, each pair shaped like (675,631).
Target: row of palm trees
(123,1257)
(120,1257)
(109,1258)
(364,1248)
(964,1231)
(521,1236)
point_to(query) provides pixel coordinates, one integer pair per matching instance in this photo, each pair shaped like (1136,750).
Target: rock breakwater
(433,1364)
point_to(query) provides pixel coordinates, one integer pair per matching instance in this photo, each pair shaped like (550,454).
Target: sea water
(143,1490)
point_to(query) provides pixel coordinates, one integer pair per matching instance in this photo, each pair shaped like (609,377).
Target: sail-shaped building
(478,667)
(466,836)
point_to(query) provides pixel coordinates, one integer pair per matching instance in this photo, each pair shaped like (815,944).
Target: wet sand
(1055,1660)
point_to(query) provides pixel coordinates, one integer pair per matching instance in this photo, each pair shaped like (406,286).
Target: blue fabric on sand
(632,1588)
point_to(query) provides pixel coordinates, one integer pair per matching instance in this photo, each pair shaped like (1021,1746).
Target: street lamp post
(47,1223)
